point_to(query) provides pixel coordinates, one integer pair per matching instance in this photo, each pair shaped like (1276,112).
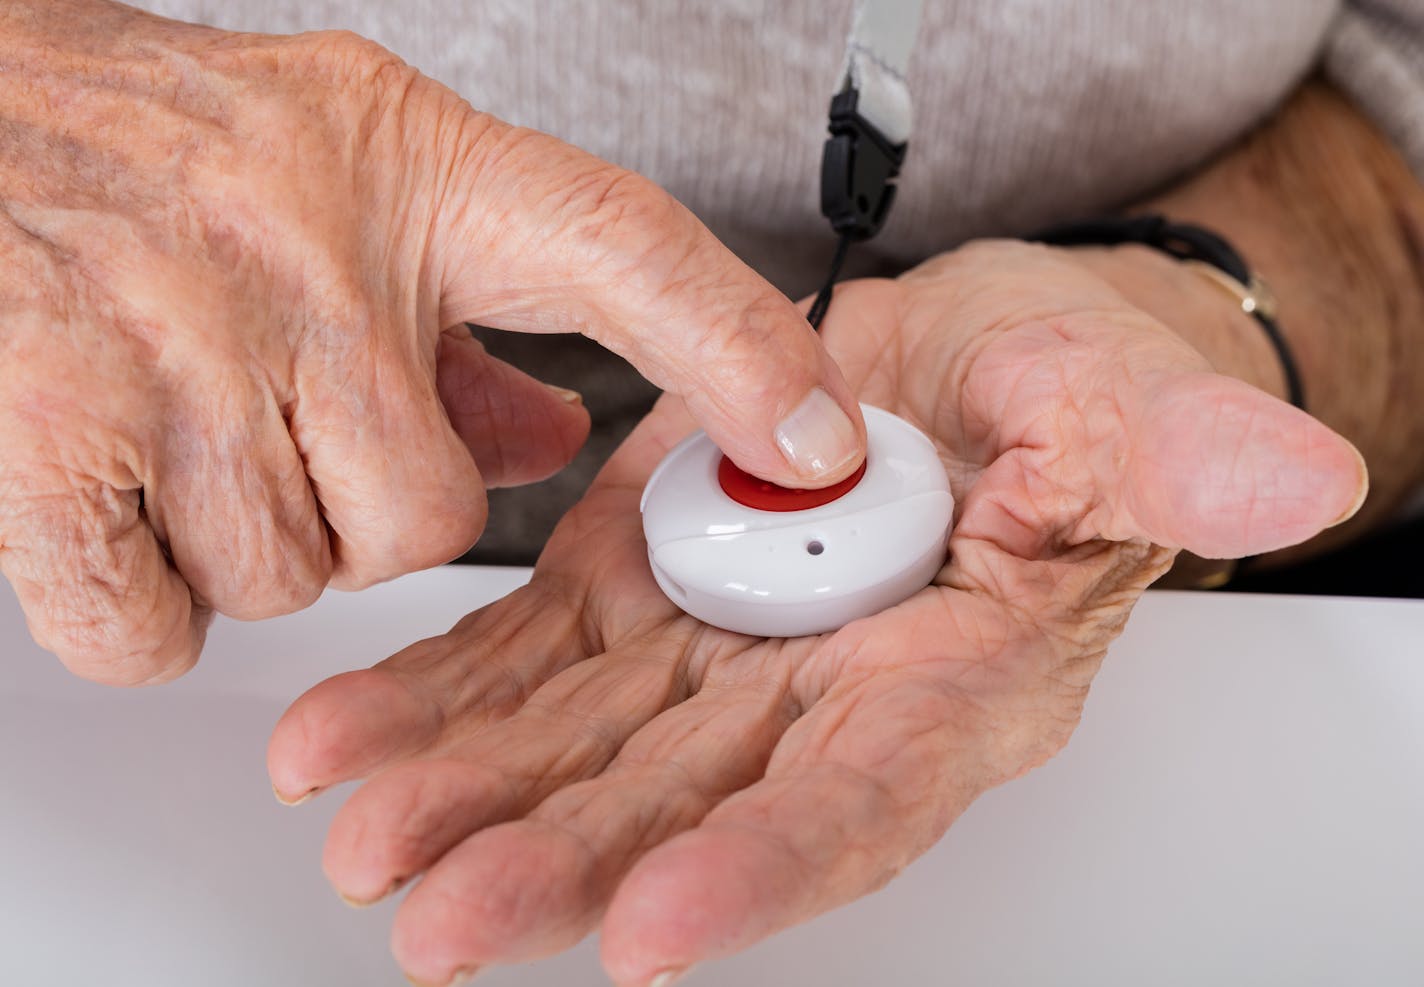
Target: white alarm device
(749,556)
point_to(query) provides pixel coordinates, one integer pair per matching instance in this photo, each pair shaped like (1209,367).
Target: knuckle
(395,550)
(274,595)
(134,647)
(346,56)
(303,592)
(297,585)
(756,344)
(746,360)
(421,511)
(279,561)
(647,226)
(612,195)
(93,593)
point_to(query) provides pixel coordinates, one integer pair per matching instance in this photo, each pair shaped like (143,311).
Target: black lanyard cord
(823,297)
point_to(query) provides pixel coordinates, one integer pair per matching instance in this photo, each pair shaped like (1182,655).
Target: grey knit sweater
(1026,111)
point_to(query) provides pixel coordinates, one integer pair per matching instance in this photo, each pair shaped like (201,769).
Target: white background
(1244,804)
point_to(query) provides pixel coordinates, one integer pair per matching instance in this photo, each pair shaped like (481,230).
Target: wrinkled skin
(582,752)
(234,272)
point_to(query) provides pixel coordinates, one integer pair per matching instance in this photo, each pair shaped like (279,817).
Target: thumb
(534,235)
(1224,470)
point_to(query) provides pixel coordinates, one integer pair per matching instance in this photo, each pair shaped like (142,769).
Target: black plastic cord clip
(858,168)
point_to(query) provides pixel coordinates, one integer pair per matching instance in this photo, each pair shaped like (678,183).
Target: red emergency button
(750,491)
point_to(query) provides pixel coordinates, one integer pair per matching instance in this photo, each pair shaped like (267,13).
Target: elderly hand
(227,264)
(583,751)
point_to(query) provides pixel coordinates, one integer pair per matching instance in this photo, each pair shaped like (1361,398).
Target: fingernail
(566,395)
(463,976)
(817,438)
(1360,494)
(391,889)
(299,799)
(667,978)
(355,902)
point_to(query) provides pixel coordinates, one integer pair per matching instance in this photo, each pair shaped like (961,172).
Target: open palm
(583,752)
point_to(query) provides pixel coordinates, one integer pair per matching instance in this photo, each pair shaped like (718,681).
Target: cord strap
(870,123)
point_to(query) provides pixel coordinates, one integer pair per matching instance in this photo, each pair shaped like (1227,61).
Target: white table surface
(1244,804)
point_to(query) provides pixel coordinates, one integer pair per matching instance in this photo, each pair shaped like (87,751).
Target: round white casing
(754,571)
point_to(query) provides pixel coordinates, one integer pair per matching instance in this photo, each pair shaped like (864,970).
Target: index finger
(538,236)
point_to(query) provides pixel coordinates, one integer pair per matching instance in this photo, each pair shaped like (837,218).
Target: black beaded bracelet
(1207,251)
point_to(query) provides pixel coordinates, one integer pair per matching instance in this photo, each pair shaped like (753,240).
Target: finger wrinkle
(718,660)
(488,792)
(571,596)
(728,747)
(481,667)
(483,909)
(838,857)
(406,817)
